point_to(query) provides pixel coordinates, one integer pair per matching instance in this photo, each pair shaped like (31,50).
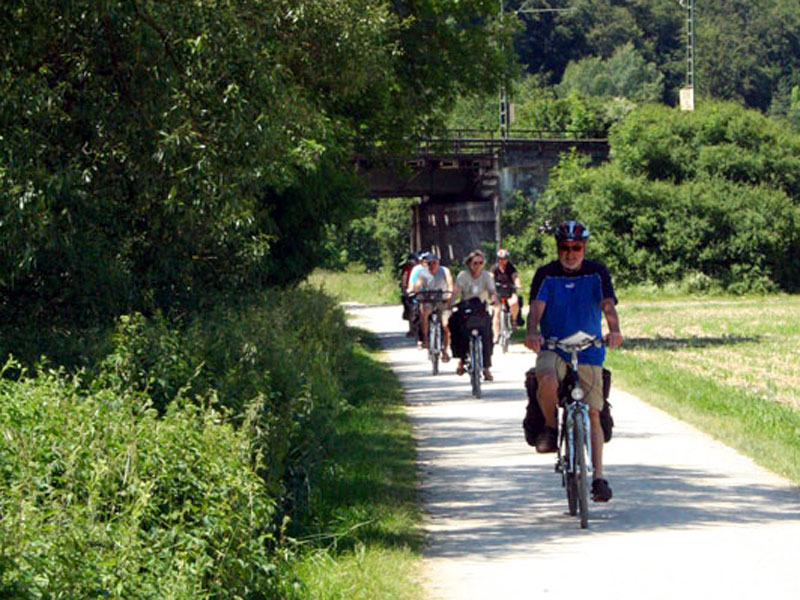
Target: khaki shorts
(446,312)
(589,376)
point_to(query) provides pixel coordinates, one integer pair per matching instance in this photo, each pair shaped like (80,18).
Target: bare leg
(547,385)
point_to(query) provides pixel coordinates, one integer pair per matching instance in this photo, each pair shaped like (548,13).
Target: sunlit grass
(751,344)
(362,538)
(356,285)
(730,366)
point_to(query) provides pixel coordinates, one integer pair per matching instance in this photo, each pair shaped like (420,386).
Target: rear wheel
(581,475)
(505,329)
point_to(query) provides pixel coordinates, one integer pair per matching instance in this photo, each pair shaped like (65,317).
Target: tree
(162,154)
(624,75)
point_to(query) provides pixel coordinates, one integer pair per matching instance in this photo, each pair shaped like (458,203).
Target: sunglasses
(477,262)
(570,247)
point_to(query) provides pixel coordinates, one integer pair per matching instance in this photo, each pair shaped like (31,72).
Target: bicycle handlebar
(432,295)
(553,343)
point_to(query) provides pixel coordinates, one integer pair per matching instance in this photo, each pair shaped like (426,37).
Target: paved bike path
(690,517)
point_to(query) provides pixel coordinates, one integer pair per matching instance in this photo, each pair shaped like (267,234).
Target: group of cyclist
(567,295)
(474,287)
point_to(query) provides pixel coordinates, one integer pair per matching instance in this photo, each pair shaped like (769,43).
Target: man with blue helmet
(568,295)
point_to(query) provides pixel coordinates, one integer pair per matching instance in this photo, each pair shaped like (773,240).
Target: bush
(170,469)
(102,498)
(689,197)
(281,355)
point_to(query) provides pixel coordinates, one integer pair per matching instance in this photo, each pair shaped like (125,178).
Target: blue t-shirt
(572,301)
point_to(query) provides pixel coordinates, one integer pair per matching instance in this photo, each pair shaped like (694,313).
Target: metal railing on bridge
(490,142)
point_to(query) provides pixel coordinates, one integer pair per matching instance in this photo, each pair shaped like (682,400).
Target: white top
(471,287)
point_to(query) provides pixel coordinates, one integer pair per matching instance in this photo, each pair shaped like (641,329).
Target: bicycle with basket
(475,319)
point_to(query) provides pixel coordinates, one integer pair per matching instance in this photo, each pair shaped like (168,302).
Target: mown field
(750,343)
(730,366)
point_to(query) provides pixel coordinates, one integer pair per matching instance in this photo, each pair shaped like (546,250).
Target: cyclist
(505,278)
(412,280)
(473,282)
(568,295)
(435,277)
(405,275)
(422,265)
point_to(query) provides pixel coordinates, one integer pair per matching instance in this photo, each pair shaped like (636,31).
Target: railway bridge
(464,181)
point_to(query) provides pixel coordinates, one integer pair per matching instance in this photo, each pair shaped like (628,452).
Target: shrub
(280,356)
(690,199)
(102,498)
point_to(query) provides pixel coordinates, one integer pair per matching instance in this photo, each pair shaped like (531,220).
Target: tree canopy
(156,153)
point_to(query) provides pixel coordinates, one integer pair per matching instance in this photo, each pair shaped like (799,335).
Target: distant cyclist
(568,295)
(435,277)
(505,278)
(405,276)
(471,283)
(414,323)
(422,265)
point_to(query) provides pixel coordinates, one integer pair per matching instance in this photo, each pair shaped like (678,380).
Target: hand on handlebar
(534,342)
(613,339)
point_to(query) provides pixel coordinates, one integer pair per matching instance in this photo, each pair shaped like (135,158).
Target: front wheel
(434,344)
(572,493)
(476,360)
(581,475)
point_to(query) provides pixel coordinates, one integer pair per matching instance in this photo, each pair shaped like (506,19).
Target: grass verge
(361,538)
(765,430)
(356,285)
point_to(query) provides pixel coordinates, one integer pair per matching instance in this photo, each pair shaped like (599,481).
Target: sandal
(487,375)
(460,368)
(445,356)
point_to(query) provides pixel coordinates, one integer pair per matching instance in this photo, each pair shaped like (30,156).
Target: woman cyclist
(471,283)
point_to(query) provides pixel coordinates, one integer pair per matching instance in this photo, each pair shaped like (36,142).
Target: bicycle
(504,335)
(575,442)
(435,298)
(474,320)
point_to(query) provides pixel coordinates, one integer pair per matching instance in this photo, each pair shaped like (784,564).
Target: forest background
(171,172)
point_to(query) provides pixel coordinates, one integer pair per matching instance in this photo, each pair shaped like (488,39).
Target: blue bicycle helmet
(571,231)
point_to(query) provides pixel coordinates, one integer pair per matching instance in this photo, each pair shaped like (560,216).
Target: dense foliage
(377,239)
(168,471)
(747,50)
(155,155)
(711,196)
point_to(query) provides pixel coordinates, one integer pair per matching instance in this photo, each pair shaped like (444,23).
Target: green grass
(727,365)
(765,430)
(356,285)
(362,538)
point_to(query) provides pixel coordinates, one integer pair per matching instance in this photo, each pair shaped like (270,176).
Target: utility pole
(687,94)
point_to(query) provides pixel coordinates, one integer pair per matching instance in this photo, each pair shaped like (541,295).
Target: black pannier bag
(533,423)
(606,420)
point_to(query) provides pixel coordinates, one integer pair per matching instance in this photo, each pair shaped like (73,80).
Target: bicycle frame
(474,362)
